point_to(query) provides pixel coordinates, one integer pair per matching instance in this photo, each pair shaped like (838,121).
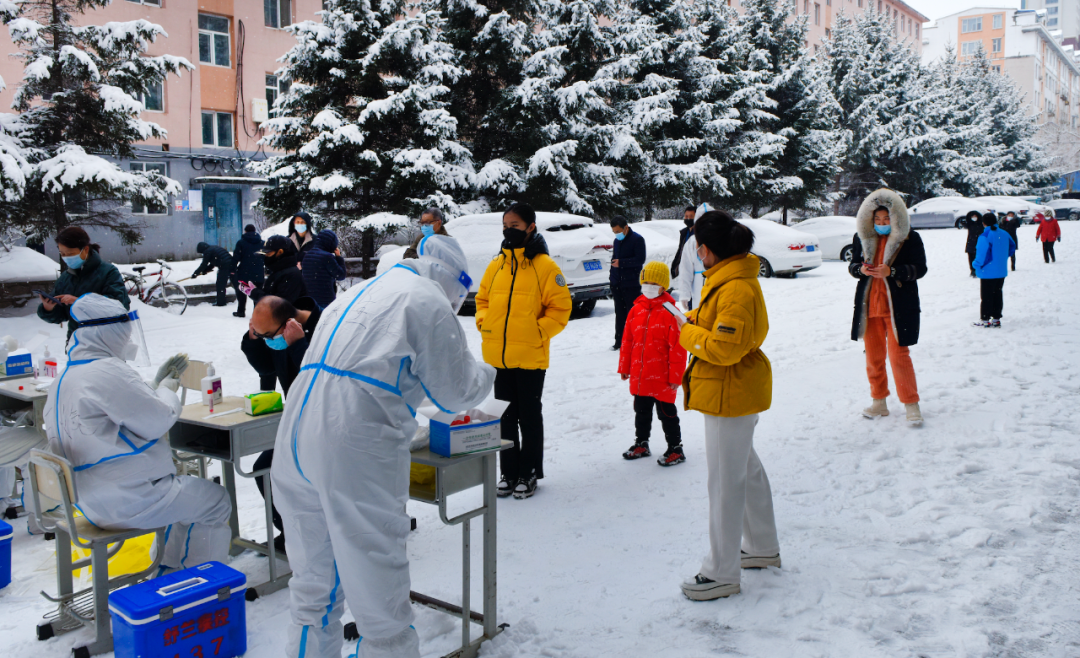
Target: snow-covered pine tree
(364,126)
(79,103)
(796,169)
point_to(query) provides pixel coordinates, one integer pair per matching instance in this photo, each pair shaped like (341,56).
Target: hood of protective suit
(441,259)
(101,341)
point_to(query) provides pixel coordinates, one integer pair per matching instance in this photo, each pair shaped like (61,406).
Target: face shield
(445,264)
(105,328)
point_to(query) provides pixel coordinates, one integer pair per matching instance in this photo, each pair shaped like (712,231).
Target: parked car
(944,212)
(834,232)
(1003,205)
(581,248)
(783,251)
(1065,208)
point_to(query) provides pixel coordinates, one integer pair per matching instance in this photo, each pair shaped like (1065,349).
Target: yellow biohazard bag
(134,557)
(421,474)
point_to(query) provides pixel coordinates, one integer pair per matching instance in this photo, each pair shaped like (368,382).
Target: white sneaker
(759,561)
(700,588)
(914,416)
(878,408)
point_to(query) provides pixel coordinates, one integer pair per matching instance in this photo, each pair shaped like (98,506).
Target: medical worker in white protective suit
(109,424)
(691,269)
(341,470)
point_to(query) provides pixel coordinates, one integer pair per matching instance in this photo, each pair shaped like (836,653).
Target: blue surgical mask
(276,343)
(300,228)
(427,229)
(620,236)
(883,230)
(73,262)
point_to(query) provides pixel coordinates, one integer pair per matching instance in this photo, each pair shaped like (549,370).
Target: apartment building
(1061,15)
(821,16)
(213,114)
(1021,45)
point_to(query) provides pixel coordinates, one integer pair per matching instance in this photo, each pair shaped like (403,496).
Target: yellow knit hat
(656,273)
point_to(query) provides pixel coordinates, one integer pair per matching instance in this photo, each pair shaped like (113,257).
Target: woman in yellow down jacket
(522,302)
(729,379)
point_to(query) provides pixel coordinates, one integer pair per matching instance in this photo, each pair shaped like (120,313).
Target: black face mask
(688,222)
(514,238)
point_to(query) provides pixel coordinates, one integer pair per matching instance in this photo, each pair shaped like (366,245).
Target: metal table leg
(491,628)
(466,582)
(229,480)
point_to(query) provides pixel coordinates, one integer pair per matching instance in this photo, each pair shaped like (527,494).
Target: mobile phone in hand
(679,316)
(47,296)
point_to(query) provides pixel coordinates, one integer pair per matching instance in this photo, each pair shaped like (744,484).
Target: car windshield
(566,227)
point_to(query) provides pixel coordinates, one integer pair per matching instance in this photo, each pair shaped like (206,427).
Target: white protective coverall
(691,274)
(109,423)
(341,472)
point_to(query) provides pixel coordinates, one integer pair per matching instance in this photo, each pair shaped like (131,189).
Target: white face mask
(301,228)
(651,290)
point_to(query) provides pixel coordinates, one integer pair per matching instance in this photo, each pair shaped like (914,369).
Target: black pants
(971,262)
(241,300)
(261,359)
(1012,259)
(523,390)
(1048,252)
(991,298)
(666,411)
(222,287)
(624,301)
(265,460)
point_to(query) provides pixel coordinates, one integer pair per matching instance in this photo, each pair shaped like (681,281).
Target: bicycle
(163,294)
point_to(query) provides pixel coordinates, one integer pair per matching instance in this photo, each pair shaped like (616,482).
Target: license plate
(809,247)
(593,266)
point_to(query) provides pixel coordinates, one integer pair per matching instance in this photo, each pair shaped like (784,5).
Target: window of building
(969,48)
(275,87)
(860,4)
(806,6)
(75,203)
(879,5)
(997,69)
(154,98)
(1051,11)
(1051,2)
(156,3)
(828,33)
(996,45)
(828,2)
(998,19)
(1051,22)
(217,129)
(138,208)
(214,47)
(817,14)
(277,13)
(971,25)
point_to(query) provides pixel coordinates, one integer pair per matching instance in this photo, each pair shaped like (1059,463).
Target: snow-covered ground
(955,539)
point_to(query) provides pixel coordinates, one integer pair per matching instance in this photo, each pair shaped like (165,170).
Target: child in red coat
(653,360)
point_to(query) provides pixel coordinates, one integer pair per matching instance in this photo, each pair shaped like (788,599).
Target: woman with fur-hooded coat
(888,260)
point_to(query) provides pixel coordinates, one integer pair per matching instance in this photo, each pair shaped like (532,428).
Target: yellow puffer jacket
(728,374)
(522,302)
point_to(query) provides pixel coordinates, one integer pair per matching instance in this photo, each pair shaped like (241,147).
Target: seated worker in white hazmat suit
(341,473)
(109,424)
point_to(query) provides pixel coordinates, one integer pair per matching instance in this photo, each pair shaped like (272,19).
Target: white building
(1061,15)
(1020,44)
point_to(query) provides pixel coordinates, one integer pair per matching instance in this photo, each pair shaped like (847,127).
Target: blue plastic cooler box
(194,612)
(5,554)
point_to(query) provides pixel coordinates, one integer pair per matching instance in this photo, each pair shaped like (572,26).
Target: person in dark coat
(1011,224)
(627,259)
(973,224)
(302,233)
(323,267)
(86,272)
(283,280)
(285,329)
(684,234)
(888,259)
(248,265)
(219,257)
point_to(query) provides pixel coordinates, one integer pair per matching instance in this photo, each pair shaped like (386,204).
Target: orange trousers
(880,341)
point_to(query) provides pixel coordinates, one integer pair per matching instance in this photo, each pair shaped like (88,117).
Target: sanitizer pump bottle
(211,386)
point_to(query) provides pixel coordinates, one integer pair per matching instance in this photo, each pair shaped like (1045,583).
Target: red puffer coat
(651,353)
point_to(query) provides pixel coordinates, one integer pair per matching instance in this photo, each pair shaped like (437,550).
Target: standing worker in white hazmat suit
(691,269)
(109,424)
(341,476)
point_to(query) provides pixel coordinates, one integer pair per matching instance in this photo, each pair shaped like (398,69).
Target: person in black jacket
(302,233)
(323,267)
(248,265)
(219,257)
(973,224)
(285,329)
(1011,224)
(684,234)
(888,259)
(627,259)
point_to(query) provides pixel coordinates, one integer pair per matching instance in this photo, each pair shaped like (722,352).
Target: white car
(945,212)
(1004,204)
(1065,208)
(581,249)
(783,251)
(834,232)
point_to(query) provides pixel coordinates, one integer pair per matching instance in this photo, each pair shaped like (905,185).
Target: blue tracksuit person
(991,263)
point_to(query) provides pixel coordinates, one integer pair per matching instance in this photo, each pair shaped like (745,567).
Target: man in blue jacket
(627,259)
(991,263)
(323,267)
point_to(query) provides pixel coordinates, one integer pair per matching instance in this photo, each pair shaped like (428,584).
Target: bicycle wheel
(169,296)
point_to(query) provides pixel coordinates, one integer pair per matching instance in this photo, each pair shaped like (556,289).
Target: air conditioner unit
(259,110)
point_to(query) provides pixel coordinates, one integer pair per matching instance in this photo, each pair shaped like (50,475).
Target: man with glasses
(432,222)
(286,329)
